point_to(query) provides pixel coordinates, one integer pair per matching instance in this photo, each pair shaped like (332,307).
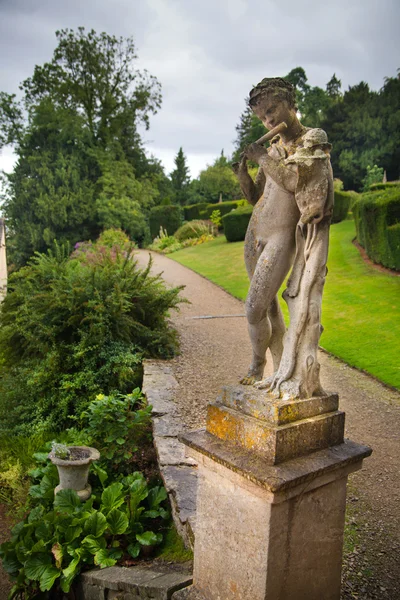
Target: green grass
(360,307)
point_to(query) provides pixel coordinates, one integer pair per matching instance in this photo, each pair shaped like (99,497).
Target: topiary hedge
(223,207)
(236,222)
(374,187)
(377,218)
(167,217)
(341,205)
(192,212)
(203,210)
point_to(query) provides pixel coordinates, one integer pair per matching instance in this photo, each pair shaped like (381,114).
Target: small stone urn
(73,469)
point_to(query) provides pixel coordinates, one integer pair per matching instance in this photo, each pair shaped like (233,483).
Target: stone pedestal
(271,498)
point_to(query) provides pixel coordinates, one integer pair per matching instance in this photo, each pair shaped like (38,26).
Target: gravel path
(216,351)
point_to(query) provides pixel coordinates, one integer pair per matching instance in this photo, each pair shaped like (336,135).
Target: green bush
(192,212)
(72,327)
(341,205)
(204,210)
(192,229)
(377,218)
(374,187)
(235,223)
(60,536)
(167,217)
(223,207)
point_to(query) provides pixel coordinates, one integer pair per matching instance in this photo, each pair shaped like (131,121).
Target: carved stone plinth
(268,531)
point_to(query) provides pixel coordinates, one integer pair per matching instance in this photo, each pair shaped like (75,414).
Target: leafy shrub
(72,327)
(167,217)
(373,175)
(377,218)
(236,222)
(60,535)
(116,426)
(192,212)
(341,206)
(192,229)
(215,219)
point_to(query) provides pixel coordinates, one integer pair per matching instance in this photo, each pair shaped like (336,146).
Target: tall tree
(78,118)
(180,178)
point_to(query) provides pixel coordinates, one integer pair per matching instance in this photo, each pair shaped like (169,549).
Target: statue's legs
(265,321)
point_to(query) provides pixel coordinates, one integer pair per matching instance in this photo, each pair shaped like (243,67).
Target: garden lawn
(360,310)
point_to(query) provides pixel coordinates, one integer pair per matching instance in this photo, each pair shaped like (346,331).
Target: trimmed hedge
(374,187)
(167,217)
(204,210)
(236,222)
(192,212)
(223,207)
(341,205)
(377,218)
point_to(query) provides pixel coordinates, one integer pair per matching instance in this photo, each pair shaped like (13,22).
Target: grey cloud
(208,54)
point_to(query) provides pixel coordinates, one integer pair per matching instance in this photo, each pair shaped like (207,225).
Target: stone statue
(289,230)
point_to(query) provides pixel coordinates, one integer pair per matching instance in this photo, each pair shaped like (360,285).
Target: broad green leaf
(72,533)
(67,501)
(72,568)
(35,514)
(117,521)
(10,563)
(16,530)
(120,441)
(41,457)
(112,497)
(48,578)
(149,538)
(38,547)
(115,553)
(102,559)
(134,550)
(44,531)
(156,496)
(96,524)
(69,574)
(36,565)
(101,473)
(47,485)
(35,491)
(93,544)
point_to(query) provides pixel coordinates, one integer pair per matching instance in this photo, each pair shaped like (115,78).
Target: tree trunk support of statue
(271,498)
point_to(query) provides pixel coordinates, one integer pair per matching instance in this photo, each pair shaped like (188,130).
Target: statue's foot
(254,375)
(264,384)
(248,380)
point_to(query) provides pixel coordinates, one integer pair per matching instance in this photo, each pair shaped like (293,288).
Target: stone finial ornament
(288,232)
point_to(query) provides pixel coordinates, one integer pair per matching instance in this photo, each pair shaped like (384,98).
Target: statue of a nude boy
(293,198)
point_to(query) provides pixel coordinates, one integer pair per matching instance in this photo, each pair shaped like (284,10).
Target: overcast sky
(207,54)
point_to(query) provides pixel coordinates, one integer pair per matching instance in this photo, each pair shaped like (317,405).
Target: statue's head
(273,88)
(273,100)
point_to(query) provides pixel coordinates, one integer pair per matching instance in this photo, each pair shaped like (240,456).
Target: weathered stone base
(278,430)
(269,532)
